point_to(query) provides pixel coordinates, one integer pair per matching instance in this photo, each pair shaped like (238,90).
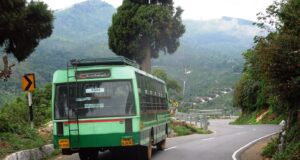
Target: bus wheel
(88,155)
(149,151)
(145,153)
(161,145)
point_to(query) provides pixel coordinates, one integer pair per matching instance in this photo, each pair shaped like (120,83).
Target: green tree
(173,87)
(141,29)
(279,55)
(22,25)
(250,92)
(274,63)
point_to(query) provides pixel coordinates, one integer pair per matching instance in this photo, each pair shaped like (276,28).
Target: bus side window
(142,87)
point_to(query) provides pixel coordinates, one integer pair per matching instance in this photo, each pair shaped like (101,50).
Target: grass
(182,129)
(291,150)
(245,119)
(10,143)
(250,118)
(271,148)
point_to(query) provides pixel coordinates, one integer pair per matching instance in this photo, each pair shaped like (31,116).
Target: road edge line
(249,144)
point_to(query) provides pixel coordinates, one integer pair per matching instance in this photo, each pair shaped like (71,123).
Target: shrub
(14,116)
(271,148)
(292,148)
(292,152)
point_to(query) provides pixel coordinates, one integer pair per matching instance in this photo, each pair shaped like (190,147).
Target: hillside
(211,48)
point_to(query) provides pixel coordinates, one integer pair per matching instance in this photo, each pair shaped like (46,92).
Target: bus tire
(167,130)
(161,145)
(88,155)
(66,152)
(145,152)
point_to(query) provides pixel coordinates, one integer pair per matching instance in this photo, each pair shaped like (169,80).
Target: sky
(196,9)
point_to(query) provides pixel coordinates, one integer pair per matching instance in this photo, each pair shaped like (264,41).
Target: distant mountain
(84,21)
(211,48)
(239,20)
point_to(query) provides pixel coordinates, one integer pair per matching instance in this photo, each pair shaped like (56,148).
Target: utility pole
(186,72)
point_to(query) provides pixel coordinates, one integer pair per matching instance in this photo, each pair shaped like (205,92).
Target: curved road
(220,145)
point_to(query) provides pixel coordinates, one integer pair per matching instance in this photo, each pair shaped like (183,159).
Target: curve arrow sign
(28,82)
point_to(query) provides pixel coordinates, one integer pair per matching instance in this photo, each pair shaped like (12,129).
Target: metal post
(298,118)
(30,109)
(183,89)
(185,73)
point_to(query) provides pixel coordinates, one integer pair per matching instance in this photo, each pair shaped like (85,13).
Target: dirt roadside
(254,151)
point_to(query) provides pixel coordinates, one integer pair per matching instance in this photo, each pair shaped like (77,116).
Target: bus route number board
(94,90)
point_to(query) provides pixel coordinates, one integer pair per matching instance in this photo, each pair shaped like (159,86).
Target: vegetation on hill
(212,51)
(270,78)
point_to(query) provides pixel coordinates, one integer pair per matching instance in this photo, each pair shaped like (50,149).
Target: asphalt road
(220,145)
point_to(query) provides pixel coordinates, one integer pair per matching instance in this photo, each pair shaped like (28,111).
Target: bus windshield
(94,99)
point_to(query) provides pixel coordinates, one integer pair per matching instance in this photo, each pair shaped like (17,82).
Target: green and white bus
(108,104)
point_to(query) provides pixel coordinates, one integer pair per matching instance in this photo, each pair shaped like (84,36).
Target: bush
(15,132)
(246,119)
(14,116)
(292,148)
(292,152)
(10,142)
(271,148)
(182,129)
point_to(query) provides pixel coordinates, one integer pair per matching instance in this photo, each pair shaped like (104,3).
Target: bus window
(94,99)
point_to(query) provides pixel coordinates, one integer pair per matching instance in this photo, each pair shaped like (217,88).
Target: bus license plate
(127,142)
(64,143)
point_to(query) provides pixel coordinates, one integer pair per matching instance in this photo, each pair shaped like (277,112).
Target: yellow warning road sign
(28,82)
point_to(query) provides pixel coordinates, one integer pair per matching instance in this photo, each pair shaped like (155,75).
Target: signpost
(28,85)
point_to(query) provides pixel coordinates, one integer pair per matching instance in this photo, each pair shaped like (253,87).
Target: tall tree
(142,28)
(22,25)
(274,62)
(279,54)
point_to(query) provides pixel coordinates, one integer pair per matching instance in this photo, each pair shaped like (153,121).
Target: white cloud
(61,4)
(115,3)
(229,26)
(197,9)
(212,9)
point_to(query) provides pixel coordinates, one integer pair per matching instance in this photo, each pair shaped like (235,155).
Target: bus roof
(104,61)
(117,69)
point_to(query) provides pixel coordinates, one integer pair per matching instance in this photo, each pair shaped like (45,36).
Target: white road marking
(249,144)
(240,127)
(240,133)
(170,148)
(254,129)
(208,139)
